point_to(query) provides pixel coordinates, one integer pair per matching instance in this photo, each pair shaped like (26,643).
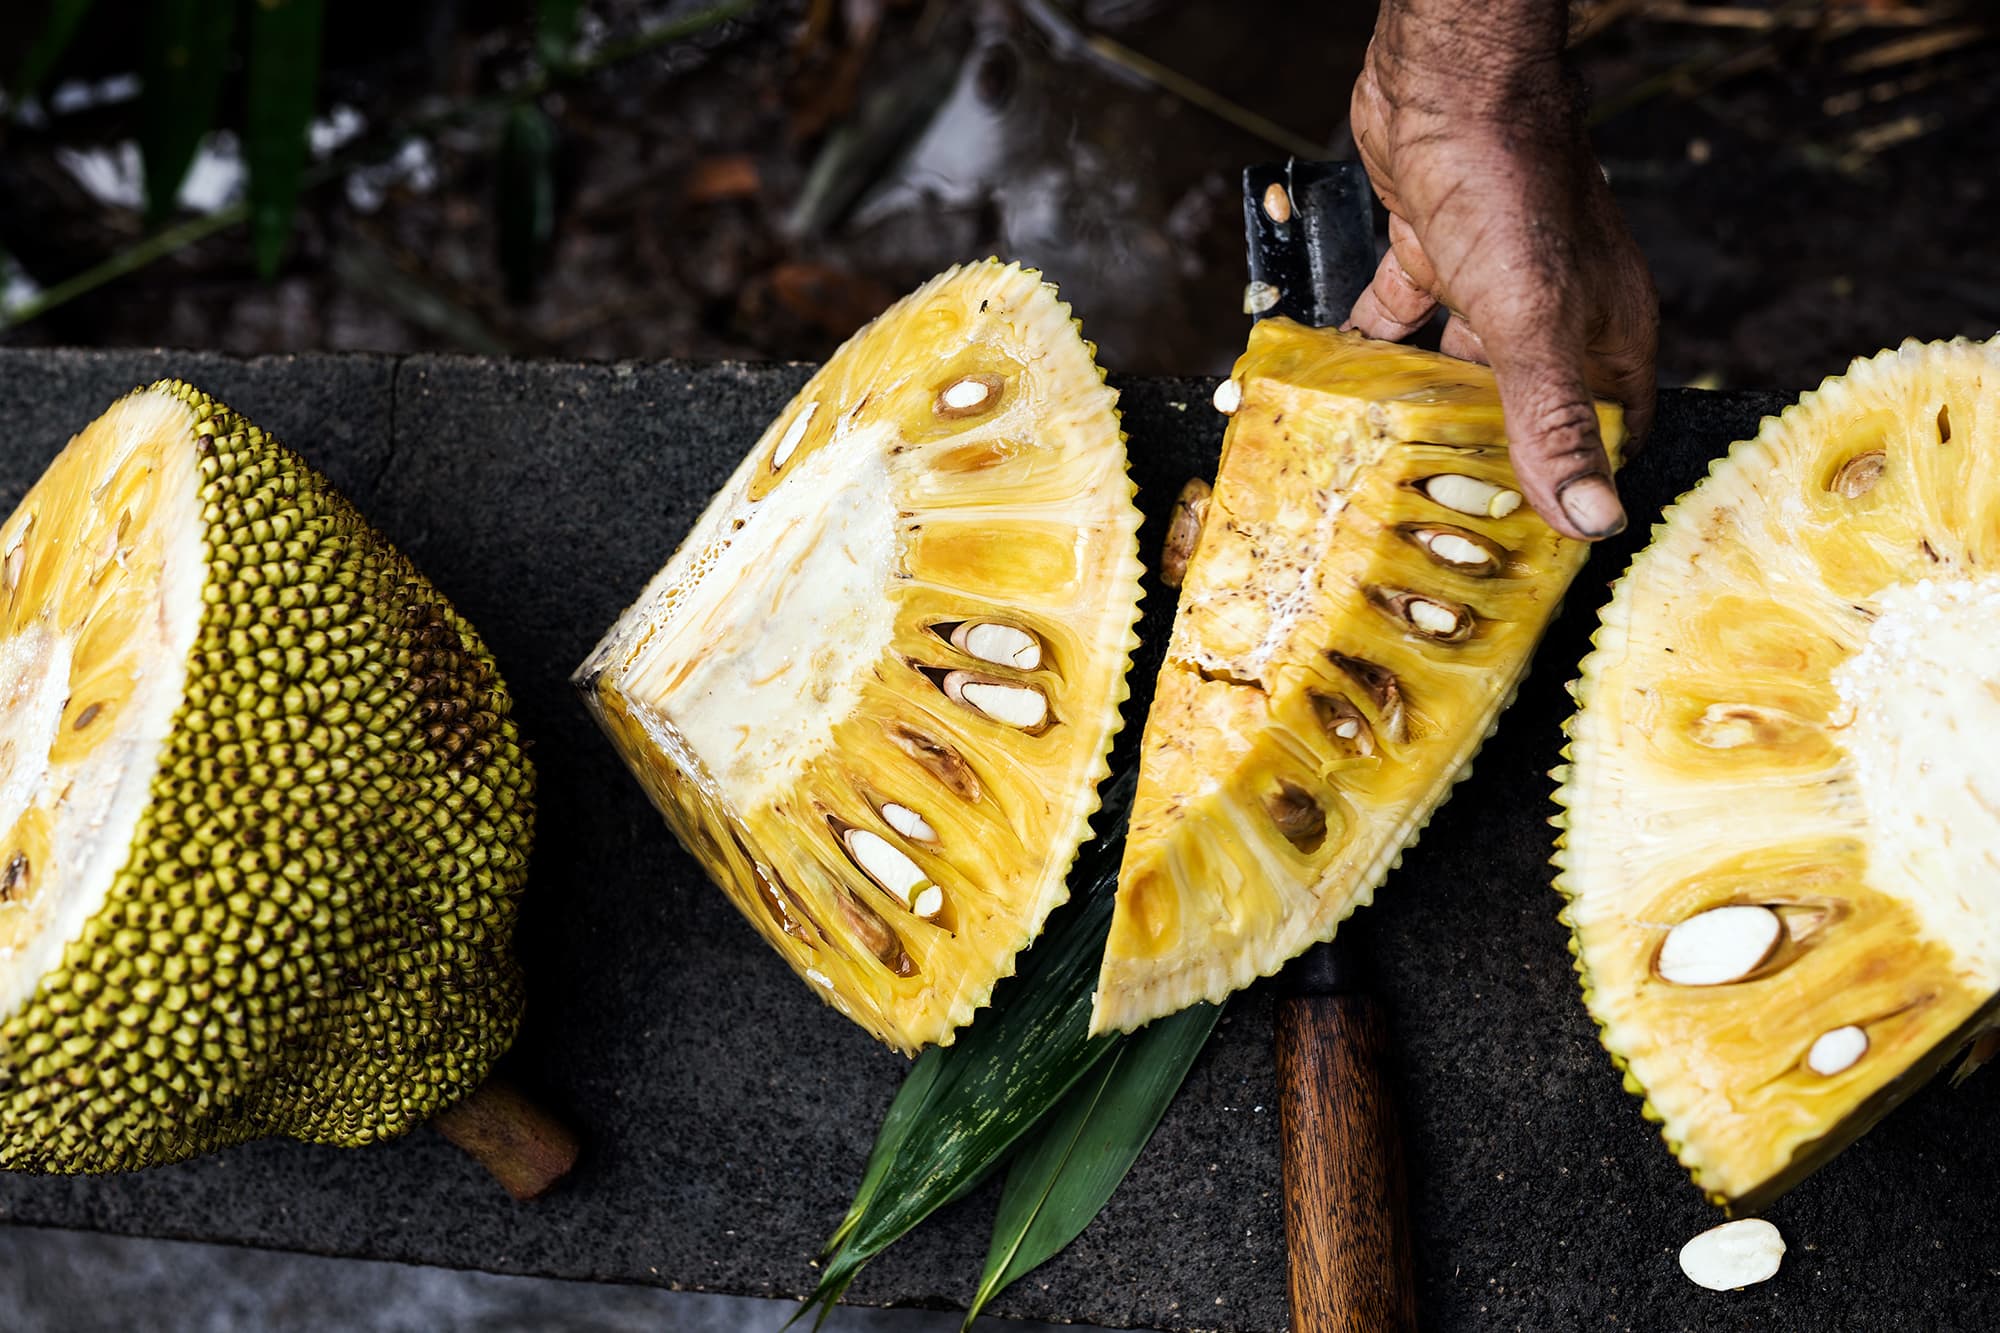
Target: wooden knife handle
(1347,1230)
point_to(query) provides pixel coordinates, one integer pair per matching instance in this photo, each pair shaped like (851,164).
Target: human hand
(1471,134)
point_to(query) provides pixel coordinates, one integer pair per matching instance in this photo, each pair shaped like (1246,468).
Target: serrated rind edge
(1125,571)
(1571,794)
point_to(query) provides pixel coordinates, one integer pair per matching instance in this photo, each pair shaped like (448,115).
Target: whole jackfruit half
(263,815)
(874,689)
(1782,808)
(1362,601)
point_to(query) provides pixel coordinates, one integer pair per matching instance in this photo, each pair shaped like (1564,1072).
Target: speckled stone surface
(727,1112)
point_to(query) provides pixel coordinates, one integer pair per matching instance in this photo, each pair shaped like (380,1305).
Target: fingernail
(1592,504)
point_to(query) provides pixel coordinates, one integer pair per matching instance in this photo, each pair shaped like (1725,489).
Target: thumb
(1553,437)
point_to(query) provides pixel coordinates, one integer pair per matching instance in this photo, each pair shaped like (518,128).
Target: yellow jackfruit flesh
(874,689)
(1782,811)
(1362,601)
(263,815)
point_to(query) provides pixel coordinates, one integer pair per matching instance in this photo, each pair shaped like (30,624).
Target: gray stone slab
(335,409)
(54,1281)
(728,1113)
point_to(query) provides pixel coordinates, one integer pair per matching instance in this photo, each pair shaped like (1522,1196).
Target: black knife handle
(1347,1220)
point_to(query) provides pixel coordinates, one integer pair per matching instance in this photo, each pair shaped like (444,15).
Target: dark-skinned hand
(1471,132)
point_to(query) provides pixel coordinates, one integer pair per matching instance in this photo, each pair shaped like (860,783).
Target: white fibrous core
(768,643)
(99,608)
(1922,727)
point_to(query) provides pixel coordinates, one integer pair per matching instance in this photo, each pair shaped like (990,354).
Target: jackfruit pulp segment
(1362,601)
(874,689)
(1782,811)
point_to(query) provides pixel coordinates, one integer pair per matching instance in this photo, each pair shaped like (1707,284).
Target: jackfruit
(1360,604)
(263,814)
(874,689)
(1782,808)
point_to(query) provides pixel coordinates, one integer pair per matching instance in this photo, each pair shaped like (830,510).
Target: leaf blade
(181,91)
(1062,1178)
(897,1123)
(555,31)
(1034,1172)
(283,86)
(65,17)
(981,1106)
(527,197)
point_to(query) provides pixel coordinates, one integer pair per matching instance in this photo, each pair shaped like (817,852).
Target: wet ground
(1810,181)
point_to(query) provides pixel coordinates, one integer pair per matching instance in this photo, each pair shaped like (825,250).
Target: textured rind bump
(311,935)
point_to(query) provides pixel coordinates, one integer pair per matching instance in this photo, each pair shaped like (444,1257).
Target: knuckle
(1557,431)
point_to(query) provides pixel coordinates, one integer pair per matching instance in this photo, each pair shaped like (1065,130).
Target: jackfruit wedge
(874,689)
(263,815)
(1362,601)
(1782,810)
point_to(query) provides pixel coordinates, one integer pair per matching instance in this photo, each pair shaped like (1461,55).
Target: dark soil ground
(1811,181)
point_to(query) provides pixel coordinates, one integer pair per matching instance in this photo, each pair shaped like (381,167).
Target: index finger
(1553,436)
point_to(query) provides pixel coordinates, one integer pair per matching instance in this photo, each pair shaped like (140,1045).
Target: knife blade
(1309,228)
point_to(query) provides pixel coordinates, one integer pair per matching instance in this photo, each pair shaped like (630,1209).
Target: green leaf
(901,1118)
(1063,1177)
(186,56)
(1006,1070)
(283,79)
(527,197)
(65,17)
(555,31)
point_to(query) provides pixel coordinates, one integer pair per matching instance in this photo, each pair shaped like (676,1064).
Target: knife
(1310,230)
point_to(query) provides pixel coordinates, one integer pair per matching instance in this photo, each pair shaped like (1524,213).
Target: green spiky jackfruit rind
(311,934)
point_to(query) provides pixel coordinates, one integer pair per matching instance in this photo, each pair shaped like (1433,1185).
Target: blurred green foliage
(270,56)
(191,48)
(201,54)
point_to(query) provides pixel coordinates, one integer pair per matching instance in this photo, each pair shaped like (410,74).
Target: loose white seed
(1020,706)
(1456,550)
(908,822)
(1470,495)
(1347,730)
(1277,204)
(795,432)
(967,393)
(1003,645)
(1432,618)
(929,903)
(1837,1050)
(1259,297)
(1721,945)
(1228,397)
(887,866)
(819,978)
(1733,1255)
